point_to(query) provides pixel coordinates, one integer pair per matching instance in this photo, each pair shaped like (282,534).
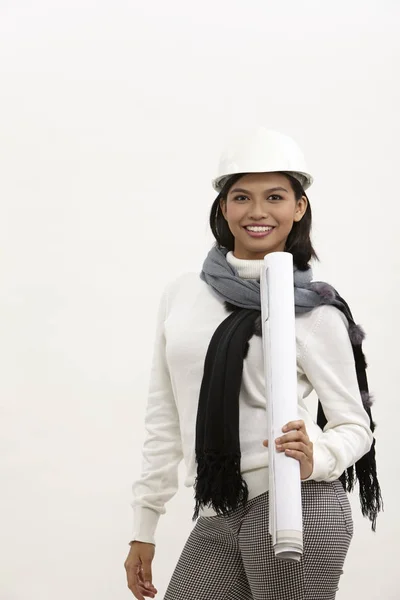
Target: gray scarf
(245,293)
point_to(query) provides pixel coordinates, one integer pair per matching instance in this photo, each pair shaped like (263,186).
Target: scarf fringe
(219,483)
(369,489)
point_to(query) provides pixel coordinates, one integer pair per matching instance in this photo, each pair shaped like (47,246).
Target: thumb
(147,575)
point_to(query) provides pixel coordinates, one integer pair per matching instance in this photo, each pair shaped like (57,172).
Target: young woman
(208,327)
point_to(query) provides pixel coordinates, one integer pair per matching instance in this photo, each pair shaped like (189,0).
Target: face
(265,200)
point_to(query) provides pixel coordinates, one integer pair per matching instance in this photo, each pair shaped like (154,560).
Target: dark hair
(298,242)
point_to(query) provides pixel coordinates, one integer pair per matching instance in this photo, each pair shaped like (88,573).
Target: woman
(218,424)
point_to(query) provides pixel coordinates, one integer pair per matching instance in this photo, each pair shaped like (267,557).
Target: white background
(112,117)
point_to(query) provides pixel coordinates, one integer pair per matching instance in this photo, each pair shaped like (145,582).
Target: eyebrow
(274,189)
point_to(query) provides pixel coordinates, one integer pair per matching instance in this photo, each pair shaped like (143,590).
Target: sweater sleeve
(162,450)
(328,362)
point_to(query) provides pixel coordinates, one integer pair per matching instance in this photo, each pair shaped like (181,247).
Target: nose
(258,211)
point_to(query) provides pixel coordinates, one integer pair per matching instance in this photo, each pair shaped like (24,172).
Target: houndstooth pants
(232,558)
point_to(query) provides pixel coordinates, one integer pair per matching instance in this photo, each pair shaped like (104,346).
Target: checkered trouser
(232,558)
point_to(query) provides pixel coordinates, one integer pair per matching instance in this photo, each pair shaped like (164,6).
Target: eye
(239,198)
(275,197)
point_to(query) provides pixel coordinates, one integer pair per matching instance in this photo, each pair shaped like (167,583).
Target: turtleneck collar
(247,269)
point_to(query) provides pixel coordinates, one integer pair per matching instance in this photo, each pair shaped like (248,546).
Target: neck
(247,269)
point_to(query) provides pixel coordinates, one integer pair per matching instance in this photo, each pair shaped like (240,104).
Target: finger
(300,456)
(299,446)
(146,593)
(292,436)
(134,587)
(147,574)
(265,443)
(295,425)
(142,581)
(146,590)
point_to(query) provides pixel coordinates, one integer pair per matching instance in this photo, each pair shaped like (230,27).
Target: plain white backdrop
(112,116)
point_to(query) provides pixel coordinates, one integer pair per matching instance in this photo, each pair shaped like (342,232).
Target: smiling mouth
(259,232)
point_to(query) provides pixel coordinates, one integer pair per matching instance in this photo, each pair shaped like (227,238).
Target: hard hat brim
(305,179)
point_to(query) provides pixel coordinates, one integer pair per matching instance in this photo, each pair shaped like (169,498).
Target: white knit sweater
(188,315)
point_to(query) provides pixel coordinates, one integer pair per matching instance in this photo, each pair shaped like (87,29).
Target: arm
(162,451)
(328,362)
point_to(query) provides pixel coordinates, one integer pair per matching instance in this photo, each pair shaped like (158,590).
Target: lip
(258,234)
(258,225)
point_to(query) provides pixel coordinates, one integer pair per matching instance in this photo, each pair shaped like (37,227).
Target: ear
(222,205)
(301,207)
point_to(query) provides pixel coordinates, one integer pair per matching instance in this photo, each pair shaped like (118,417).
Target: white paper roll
(279,342)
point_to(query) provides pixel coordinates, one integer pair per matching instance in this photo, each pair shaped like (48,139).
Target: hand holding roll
(296,444)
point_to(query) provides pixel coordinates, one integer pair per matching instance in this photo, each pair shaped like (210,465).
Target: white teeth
(259,229)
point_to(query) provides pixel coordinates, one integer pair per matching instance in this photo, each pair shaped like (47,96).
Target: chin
(261,249)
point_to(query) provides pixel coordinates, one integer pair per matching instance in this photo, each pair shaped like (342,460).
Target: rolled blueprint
(279,343)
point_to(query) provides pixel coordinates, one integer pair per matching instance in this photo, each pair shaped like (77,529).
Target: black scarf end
(219,484)
(371,501)
(365,474)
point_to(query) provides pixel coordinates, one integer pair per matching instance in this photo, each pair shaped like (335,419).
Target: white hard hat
(262,151)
